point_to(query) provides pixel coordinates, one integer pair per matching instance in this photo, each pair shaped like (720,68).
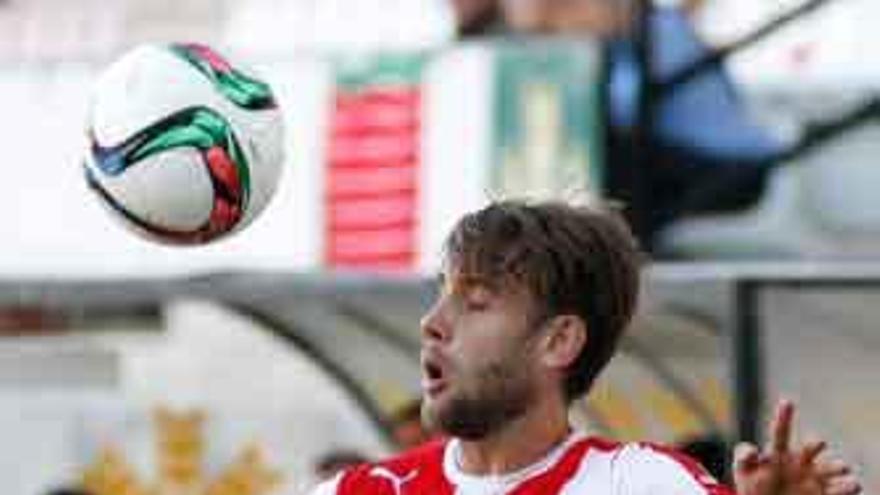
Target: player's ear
(566,336)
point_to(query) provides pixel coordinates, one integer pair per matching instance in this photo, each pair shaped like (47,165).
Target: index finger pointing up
(780,428)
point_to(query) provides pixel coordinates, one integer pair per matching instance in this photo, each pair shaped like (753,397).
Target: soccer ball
(184,147)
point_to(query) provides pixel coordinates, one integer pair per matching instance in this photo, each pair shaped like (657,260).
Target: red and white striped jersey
(581,465)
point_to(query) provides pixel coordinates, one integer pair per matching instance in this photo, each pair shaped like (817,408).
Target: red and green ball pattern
(244,91)
(199,128)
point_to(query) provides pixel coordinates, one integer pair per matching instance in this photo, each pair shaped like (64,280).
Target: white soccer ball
(184,147)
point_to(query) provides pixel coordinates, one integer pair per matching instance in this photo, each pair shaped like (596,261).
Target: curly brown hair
(578,260)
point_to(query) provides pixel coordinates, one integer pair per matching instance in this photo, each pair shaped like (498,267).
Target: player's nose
(434,325)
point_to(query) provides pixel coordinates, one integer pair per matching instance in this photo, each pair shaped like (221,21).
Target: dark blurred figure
(595,18)
(331,463)
(707,154)
(407,427)
(476,17)
(68,491)
(673,151)
(713,452)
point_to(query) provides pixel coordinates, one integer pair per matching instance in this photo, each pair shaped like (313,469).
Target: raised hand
(779,469)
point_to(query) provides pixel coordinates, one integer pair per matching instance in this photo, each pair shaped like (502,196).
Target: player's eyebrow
(459,281)
(463,282)
(466,282)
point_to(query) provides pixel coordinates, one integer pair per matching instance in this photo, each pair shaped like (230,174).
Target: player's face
(585,17)
(532,16)
(469,10)
(478,358)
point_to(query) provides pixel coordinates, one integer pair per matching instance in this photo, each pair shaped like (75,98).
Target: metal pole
(748,361)
(636,175)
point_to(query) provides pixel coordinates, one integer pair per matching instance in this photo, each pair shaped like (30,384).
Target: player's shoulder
(647,455)
(645,467)
(428,453)
(638,468)
(421,465)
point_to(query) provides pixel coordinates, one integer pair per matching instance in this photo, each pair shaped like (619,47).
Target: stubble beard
(502,394)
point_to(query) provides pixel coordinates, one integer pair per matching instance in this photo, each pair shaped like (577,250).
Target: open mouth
(433,376)
(433,371)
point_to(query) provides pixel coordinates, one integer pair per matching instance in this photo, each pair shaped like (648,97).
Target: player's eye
(477,298)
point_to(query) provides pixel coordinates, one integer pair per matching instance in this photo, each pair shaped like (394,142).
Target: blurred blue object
(704,114)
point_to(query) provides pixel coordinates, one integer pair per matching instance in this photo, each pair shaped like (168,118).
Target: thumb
(746,458)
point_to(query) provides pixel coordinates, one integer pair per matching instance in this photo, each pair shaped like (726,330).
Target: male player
(533,300)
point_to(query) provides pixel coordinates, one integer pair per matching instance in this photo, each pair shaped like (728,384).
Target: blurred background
(741,136)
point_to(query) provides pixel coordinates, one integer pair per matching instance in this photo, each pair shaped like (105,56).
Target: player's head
(600,18)
(68,491)
(535,297)
(406,426)
(474,17)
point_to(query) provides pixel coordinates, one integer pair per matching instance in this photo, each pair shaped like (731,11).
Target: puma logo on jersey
(396,481)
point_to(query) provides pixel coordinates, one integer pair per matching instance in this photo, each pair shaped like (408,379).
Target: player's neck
(520,443)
